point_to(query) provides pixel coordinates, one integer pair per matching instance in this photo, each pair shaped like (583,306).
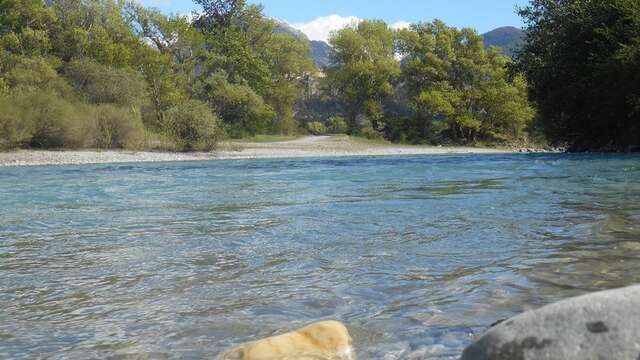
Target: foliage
(371,133)
(337,125)
(113,73)
(457,89)
(365,70)
(581,58)
(242,110)
(193,126)
(15,131)
(100,84)
(107,64)
(36,73)
(117,128)
(317,128)
(220,12)
(47,120)
(289,61)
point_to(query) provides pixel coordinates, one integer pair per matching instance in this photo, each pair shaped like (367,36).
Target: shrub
(100,84)
(243,111)
(31,74)
(338,125)
(371,133)
(117,128)
(193,126)
(15,130)
(317,128)
(52,121)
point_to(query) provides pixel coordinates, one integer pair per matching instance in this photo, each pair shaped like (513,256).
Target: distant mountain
(508,38)
(320,50)
(321,53)
(283,27)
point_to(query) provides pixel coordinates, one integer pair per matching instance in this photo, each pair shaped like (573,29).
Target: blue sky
(314,17)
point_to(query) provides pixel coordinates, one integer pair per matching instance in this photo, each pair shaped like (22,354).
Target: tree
(365,70)
(581,58)
(242,110)
(289,63)
(457,88)
(235,45)
(23,27)
(219,13)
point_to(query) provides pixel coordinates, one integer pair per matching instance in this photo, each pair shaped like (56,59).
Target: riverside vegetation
(114,74)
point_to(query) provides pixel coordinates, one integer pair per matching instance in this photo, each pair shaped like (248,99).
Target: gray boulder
(604,325)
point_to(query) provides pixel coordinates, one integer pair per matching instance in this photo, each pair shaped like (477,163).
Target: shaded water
(417,255)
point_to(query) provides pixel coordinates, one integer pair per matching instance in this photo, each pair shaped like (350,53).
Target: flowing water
(417,255)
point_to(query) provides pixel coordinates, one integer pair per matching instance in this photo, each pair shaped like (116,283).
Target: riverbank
(311,146)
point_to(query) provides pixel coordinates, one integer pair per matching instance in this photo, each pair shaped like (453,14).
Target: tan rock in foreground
(328,340)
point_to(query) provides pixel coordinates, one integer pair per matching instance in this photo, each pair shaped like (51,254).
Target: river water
(417,255)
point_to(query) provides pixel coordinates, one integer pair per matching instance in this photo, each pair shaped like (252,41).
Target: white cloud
(321,28)
(399,25)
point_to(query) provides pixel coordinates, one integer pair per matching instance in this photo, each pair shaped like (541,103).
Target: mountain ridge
(509,38)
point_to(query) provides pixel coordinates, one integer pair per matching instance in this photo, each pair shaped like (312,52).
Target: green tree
(457,88)
(289,63)
(104,67)
(365,70)
(24,25)
(581,58)
(234,36)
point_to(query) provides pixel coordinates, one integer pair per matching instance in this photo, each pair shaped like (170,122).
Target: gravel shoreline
(313,146)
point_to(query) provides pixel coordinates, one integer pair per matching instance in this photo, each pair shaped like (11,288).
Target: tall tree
(290,65)
(457,88)
(219,13)
(582,59)
(365,70)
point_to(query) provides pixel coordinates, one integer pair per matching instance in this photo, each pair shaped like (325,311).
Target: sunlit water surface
(417,255)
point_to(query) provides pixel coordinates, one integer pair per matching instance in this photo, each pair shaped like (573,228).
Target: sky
(317,18)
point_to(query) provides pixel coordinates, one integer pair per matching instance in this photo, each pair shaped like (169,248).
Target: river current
(417,255)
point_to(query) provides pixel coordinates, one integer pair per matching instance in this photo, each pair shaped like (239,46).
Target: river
(417,255)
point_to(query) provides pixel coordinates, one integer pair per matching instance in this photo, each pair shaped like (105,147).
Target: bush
(117,128)
(31,74)
(100,84)
(317,128)
(338,125)
(15,130)
(42,119)
(193,126)
(371,133)
(243,111)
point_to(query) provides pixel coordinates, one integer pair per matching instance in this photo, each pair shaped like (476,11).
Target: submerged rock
(604,325)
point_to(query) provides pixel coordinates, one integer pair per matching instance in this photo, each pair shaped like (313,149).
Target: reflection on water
(417,255)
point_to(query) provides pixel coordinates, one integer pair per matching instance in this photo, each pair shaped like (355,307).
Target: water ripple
(418,255)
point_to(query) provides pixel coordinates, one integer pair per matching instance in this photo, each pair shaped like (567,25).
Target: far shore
(306,147)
